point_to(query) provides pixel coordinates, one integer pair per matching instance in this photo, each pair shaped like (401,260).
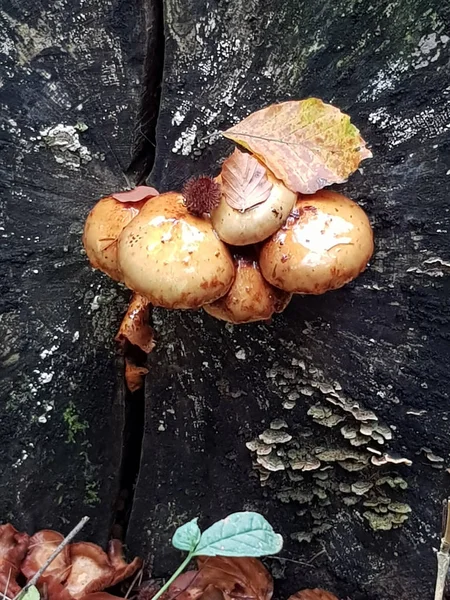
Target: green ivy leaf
(32,593)
(240,534)
(187,536)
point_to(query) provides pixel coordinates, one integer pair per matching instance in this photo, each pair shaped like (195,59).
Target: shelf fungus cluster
(241,244)
(348,469)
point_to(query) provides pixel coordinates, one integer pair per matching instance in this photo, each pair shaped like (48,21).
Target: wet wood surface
(370,358)
(70,90)
(380,344)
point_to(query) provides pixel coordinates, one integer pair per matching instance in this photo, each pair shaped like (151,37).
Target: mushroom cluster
(238,246)
(241,244)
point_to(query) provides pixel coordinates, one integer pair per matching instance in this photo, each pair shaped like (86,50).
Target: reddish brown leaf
(93,570)
(307,144)
(122,569)
(101,596)
(42,545)
(13,547)
(134,375)
(233,578)
(135,325)
(141,192)
(244,181)
(316,594)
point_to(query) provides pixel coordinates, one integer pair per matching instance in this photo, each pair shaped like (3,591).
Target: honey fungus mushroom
(326,242)
(251,297)
(104,225)
(174,258)
(253,204)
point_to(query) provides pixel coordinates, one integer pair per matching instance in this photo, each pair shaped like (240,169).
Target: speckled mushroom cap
(250,298)
(173,258)
(101,230)
(255,224)
(325,243)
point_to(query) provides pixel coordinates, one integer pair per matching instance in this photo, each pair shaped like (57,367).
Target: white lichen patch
(425,125)
(64,142)
(429,49)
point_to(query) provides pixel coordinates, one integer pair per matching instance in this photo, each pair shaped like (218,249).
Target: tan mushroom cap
(173,258)
(250,298)
(326,243)
(101,230)
(241,228)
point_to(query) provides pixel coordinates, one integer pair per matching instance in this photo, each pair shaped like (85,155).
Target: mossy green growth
(74,424)
(91,497)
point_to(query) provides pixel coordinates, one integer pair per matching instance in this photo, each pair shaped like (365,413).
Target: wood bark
(70,90)
(381,343)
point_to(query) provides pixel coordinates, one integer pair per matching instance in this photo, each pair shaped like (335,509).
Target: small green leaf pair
(32,593)
(239,534)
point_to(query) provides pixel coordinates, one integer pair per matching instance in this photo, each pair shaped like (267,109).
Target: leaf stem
(180,569)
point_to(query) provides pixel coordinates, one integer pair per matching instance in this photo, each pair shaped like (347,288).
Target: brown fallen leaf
(13,547)
(307,144)
(134,375)
(141,192)
(94,570)
(42,545)
(232,578)
(244,181)
(316,594)
(135,325)
(101,596)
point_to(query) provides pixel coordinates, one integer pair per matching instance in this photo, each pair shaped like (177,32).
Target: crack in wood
(144,150)
(140,167)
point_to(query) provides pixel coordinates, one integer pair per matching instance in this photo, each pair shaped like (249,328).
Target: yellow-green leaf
(306,143)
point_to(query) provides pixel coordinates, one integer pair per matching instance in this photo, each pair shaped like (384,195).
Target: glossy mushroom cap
(173,258)
(101,230)
(250,298)
(326,242)
(237,219)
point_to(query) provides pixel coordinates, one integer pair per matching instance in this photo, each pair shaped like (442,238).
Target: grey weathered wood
(61,411)
(384,339)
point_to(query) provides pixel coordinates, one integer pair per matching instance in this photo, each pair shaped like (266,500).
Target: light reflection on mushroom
(326,242)
(173,258)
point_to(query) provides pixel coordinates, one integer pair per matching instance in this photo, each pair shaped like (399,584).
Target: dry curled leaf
(94,570)
(244,181)
(101,596)
(316,594)
(79,569)
(229,578)
(42,545)
(13,547)
(134,375)
(135,325)
(141,192)
(307,144)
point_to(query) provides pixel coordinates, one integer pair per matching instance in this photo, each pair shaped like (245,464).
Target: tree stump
(342,378)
